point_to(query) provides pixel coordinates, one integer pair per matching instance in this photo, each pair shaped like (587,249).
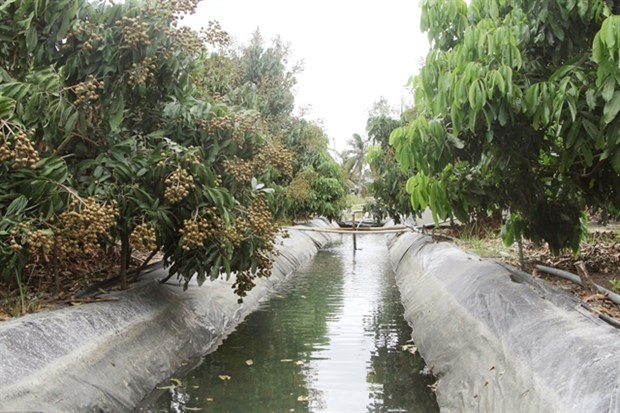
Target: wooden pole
(354,239)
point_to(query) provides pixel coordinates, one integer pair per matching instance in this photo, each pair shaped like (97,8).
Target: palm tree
(354,161)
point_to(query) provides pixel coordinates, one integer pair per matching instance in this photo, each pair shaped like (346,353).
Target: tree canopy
(121,128)
(518,107)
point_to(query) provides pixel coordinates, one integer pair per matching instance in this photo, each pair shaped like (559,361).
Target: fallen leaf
(299,362)
(302,398)
(209,399)
(410,348)
(286,360)
(193,409)
(176,382)
(224,377)
(249,362)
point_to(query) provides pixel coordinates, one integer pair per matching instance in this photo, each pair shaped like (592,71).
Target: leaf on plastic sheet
(411,348)
(17,206)
(611,108)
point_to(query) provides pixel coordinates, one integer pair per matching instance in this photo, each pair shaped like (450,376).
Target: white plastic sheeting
(108,356)
(499,340)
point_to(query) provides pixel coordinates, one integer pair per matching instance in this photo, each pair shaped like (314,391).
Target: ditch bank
(108,356)
(499,340)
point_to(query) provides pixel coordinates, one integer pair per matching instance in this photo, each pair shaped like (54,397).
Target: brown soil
(40,292)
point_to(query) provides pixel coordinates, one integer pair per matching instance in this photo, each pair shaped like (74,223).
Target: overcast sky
(354,52)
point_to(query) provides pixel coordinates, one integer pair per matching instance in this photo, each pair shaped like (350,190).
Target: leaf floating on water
(299,362)
(249,362)
(286,360)
(410,348)
(302,398)
(209,399)
(195,386)
(193,409)
(224,377)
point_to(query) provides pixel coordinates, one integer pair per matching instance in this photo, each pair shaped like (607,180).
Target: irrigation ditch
(495,338)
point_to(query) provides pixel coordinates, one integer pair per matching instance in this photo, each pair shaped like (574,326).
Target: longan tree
(114,132)
(518,106)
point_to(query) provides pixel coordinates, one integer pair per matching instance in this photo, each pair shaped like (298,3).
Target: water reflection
(331,344)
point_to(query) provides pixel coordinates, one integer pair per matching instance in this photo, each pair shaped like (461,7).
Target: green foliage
(354,163)
(318,186)
(388,182)
(517,109)
(118,128)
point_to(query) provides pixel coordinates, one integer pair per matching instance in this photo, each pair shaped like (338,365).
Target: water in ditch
(334,341)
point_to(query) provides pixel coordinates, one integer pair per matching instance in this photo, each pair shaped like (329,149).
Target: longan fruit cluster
(179,6)
(188,40)
(134,31)
(194,232)
(244,123)
(142,72)
(40,240)
(243,283)
(86,30)
(20,151)
(278,156)
(88,91)
(240,169)
(219,124)
(143,237)
(235,233)
(260,219)
(214,34)
(299,188)
(83,222)
(192,156)
(17,232)
(178,185)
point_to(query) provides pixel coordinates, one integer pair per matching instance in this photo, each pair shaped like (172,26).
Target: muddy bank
(108,356)
(499,340)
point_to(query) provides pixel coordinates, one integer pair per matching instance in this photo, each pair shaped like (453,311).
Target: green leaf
(32,38)
(70,125)
(117,118)
(611,108)
(7,107)
(17,206)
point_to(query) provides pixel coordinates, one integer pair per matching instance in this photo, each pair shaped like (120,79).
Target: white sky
(354,52)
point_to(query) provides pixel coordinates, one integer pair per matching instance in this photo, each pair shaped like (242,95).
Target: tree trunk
(586,280)
(124,259)
(56,269)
